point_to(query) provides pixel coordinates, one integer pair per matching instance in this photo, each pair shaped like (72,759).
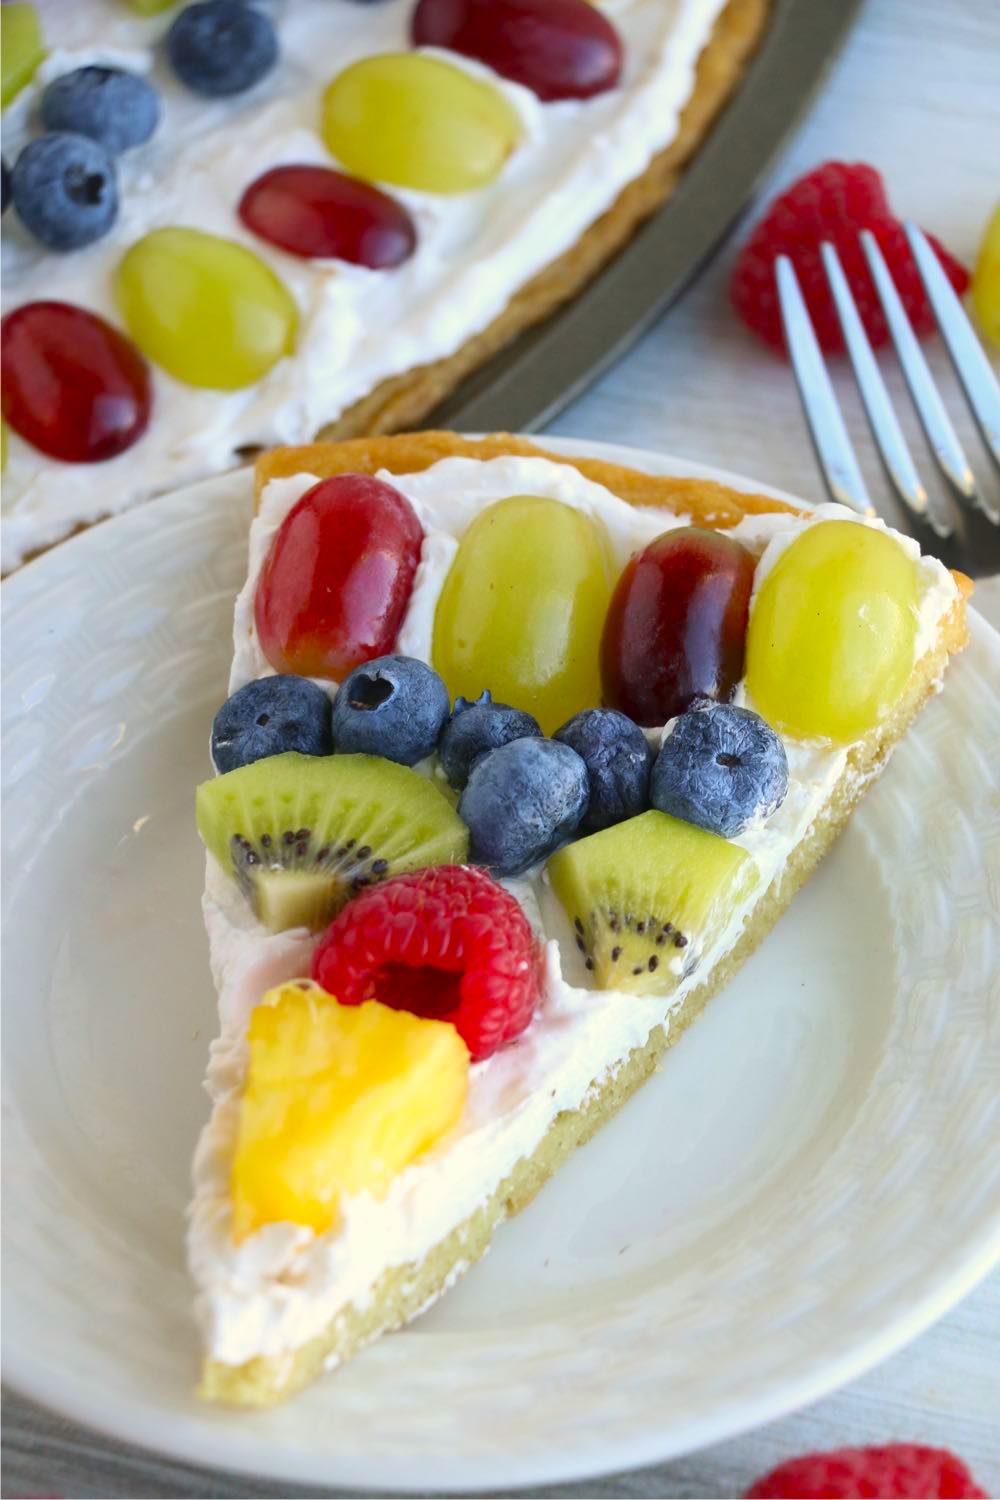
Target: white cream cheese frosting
(357,327)
(283,1284)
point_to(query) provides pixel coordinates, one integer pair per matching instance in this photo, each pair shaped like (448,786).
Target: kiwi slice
(647,897)
(301,834)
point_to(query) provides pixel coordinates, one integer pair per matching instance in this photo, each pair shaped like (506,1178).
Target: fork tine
(885,427)
(941,435)
(833,447)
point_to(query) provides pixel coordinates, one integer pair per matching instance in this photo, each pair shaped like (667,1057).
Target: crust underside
(404,1291)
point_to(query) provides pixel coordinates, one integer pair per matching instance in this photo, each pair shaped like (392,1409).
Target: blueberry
(64,190)
(476,727)
(393,706)
(617,756)
(118,109)
(270,716)
(221,47)
(522,801)
(720,767)
(4,185)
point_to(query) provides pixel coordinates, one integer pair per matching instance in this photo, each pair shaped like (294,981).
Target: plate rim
(200,1444)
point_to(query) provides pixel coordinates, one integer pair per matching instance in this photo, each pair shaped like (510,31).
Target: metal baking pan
(521,388)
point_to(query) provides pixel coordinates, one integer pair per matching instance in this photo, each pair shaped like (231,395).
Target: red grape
(323,214)
(335,585)
(561,49)
(677,624)
(73,386)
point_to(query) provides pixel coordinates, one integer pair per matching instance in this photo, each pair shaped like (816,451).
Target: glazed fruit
(206,309)
(316,212)
(449,943)
(73,386)
(21,47)
(418,122)
(150,7)
(476,727)
(222,47)
(523,606)
(677,624)
(337,1101)
(986,280)
(302,834)
(561,49)
(65,190)
(393,706)
(646,898)
(335,585)
(521,801)
(618,758)
(720,767)
(269,716)
(832,633)
(897,1471)
(116,108)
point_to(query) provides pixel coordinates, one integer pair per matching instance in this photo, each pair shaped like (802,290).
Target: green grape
(832,632)
(522,609)
(417,122)
(21,46)
(207,310)
(150,7)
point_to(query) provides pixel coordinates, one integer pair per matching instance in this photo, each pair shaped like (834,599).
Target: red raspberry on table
(901,1470)
(833,202)
(448,943)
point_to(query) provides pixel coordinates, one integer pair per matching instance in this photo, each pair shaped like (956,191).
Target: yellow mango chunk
(338,1100)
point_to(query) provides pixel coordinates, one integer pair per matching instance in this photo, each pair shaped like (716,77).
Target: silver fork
(966,535)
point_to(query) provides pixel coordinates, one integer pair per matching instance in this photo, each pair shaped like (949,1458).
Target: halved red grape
(676,627)
(561,49)
(335,585)
(73,386)
(322,214)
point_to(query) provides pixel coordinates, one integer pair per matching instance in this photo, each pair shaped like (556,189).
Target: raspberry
(898,1469)
(447,943)
(833,202)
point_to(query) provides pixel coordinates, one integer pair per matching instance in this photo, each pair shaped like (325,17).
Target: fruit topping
(73,386)
(21,47)
(336,583)
(720,767)
(269,716)
(833,202)
(475,727)
(561,49)
(521,801)
(150,7)
(648,897)
(833,632)
(418,122)
(448,943)
(986,280)
(207,310)
(676,626)
(116,108)
(64,190)
(338,1100)
(393,706)
(523,606)
(302,834)
(222,47)
(898,1471)
(617,756)
(317,212)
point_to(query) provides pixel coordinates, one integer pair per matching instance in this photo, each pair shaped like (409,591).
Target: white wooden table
(917,93)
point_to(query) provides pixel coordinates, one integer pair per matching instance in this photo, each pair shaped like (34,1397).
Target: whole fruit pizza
(236,223)
(522,757)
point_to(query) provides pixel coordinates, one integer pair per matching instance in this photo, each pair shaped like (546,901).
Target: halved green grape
(417,122)
(522,609)
(832,632)
(206,309)
(21,46)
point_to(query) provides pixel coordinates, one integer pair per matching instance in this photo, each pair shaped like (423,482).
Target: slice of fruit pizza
(593,729)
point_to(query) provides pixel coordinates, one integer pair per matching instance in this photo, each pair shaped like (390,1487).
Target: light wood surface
(914,92)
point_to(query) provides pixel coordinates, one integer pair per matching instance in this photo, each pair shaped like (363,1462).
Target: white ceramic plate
(810,1180)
